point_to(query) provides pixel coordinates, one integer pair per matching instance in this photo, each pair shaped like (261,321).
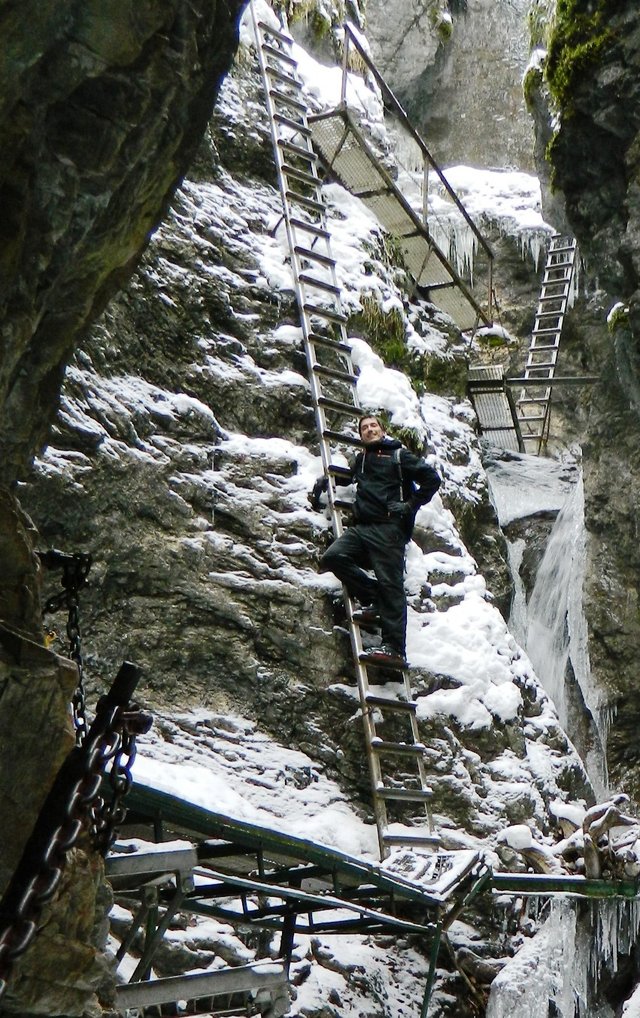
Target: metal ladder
(534,404)
(333,389)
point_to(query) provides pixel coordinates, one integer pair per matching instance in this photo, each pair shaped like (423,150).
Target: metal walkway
(176,857)
(534,403)
(400,789)
(494,406)
(187,859)
(341,143)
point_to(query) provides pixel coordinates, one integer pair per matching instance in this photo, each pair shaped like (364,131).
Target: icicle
(539,973)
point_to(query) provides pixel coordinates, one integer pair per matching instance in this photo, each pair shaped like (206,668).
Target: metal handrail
(395,105)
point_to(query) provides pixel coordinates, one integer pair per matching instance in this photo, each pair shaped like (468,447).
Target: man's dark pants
(380,547)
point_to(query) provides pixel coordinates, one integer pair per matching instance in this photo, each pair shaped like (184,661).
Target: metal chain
(75,569)
(70,808)
(107,817)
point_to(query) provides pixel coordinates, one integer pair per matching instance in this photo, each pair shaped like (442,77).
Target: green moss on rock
(579,36)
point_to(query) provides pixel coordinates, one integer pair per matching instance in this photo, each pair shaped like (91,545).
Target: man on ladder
(391,485)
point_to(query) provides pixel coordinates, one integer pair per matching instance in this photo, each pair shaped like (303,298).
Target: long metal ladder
(534,403)
(333,389)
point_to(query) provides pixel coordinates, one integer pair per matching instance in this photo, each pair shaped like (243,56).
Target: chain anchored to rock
(75,569)
(72,806)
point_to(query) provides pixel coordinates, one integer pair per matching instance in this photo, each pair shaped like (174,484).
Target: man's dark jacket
(391,484)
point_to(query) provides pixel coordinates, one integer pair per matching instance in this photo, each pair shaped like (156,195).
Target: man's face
(370,430)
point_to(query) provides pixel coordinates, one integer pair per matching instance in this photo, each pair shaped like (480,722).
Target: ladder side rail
(302,284)
(316,392)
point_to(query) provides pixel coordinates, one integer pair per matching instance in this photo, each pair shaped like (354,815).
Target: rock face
(100,116)
(101,113)
(457,69)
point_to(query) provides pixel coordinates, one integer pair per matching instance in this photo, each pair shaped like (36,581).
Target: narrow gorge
(158,417)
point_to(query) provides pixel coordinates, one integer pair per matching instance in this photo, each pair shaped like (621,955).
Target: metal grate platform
(494,406)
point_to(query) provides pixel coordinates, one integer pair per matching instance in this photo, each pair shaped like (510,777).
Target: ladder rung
(328,313)
(319,284)
(525,419)
(563,280)
(336,436)
(343,503)
(314,256)
(287,100)
(338,471)
(543,346)
(386,703)
(327,403)
(312,228)
(273,72)
(555,296)
(268,30)
(342,376)
(300,175)
(298,150)
(539,365)
(416,749)
(294,125)
(279,54)
(545,332)
(411,839)
(405,794)
(308,203)
(330,344)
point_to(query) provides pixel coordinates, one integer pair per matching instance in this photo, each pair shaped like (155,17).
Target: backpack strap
(395,455)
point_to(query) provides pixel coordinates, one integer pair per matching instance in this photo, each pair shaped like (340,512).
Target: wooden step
(415,749)
(294,125)
(339,407)
(337,471)
(329,344)
(301,177)
(404,794)
(278,54)
(386,703)
(328,313)
(286,79)
(308,203)
(287,100)
(339,439)
(269,30)
(311,228)
(298,150)
(314,256)
(319,284)
(341,376)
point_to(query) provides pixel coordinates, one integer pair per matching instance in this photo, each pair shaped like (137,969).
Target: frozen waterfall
(556,638)
(551,626)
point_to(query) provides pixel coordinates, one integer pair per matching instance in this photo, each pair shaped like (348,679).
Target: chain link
(73,805)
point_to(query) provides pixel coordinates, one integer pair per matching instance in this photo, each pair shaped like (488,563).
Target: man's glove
(318,489)
(400,511)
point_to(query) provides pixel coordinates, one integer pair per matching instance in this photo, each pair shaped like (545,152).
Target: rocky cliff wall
(101,113)
(457,69)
